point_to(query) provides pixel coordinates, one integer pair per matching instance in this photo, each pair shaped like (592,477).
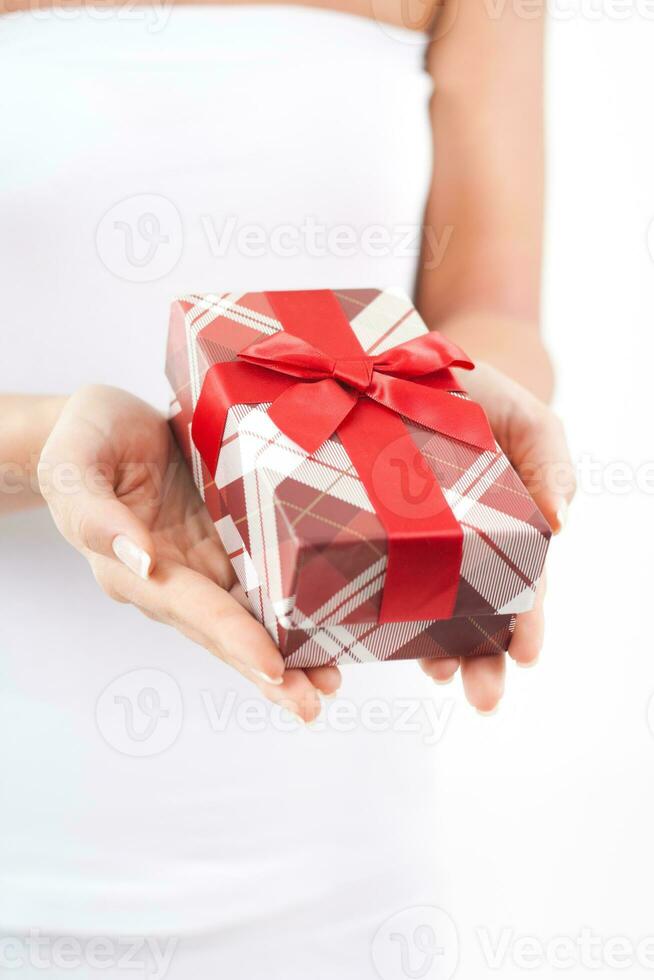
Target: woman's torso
(220,148)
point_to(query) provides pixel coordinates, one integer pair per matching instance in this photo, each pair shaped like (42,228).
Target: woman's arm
(486,204)
(25,424)
(486,198)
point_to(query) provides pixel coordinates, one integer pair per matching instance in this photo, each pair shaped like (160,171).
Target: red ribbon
(320,381)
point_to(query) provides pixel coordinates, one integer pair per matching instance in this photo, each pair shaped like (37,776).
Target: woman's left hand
(533,438)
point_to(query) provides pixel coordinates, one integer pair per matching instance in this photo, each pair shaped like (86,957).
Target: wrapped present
(367,510)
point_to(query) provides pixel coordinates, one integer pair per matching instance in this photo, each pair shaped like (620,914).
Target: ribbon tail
(425,540)
(439,410)
(317,317)
(225,385)
(309,413)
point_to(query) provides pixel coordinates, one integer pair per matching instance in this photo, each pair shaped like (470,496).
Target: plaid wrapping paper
(300,530)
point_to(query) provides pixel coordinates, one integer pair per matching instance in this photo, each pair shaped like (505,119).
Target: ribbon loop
(427,354)
(287,354)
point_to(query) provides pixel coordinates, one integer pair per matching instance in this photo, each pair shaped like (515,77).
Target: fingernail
(294,715)
(329,697)
(276,681)
(491,711)
(528,664)
(561,516)
(446,680)
(136,559)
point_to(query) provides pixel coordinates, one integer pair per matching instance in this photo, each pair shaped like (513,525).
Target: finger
(207,614)
(214,619)
(483,681)
(542,458)
(297,694)
(527,639)
(326,679)
(209,558)
(441,669)
(90,516)
(238,592)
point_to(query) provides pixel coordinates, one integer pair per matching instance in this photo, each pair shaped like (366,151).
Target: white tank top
(147,789)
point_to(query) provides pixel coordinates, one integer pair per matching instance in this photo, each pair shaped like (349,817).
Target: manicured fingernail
(528,664)
(561,516)
(136,559)
(291,715)
(491,711)
(445,680)
(276,681)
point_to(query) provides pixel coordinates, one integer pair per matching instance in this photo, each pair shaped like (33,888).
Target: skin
(127,474)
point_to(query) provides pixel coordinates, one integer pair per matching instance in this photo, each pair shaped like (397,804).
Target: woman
(153,152)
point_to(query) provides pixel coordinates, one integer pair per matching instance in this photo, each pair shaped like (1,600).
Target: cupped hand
(533,438)
(120,492)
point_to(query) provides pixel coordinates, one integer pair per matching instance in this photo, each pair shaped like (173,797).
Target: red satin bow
(412,379)
(320,381)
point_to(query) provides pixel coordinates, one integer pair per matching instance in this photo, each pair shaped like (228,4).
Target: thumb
(94,520)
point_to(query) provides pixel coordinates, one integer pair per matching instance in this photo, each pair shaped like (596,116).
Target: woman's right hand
(120,492)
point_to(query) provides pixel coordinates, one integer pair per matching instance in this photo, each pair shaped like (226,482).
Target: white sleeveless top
(147,789)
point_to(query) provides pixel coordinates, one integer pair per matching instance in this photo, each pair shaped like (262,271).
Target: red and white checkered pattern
(302,534)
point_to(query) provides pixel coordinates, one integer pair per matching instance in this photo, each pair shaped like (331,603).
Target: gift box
(367,510)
